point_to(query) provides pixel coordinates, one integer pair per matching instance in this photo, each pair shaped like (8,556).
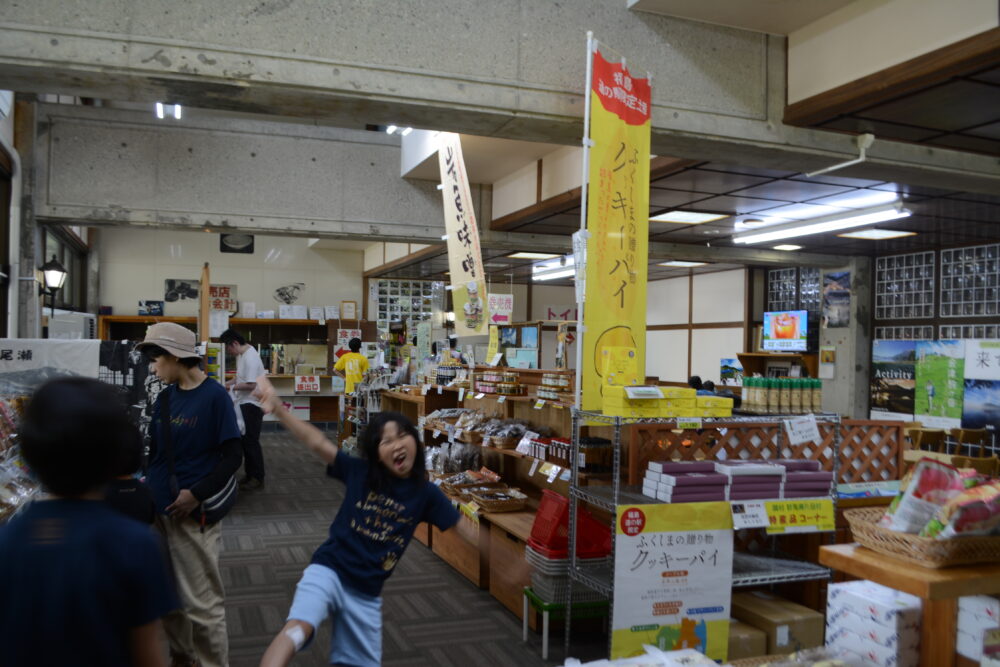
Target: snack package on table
(931,485)
(975,511)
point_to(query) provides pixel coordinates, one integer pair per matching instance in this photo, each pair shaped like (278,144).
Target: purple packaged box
(807,494)
(695,498)
(753,495)
(754,482)
(797,464)
(819,476)
(808,486)
(695,479)
(675,467)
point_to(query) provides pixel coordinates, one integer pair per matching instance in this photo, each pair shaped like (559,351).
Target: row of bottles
(782,395)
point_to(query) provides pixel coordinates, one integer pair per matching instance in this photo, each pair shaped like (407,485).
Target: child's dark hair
(155,351)
(371,438)
(231,336)
(74,433)
(354,344)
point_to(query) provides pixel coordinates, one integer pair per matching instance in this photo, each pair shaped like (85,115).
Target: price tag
(557,406)
(458,433)
(480,395)
(689,423)
(440,389)
(546,468)
(722,430)
(524,446)
(471,510)
(501,398)
(553,473)
(496,359)
(461,394)
(802,430)
(749,514)
(423,390)
(539,404)
(799,515)
(581,460)
(534,467)
(565,475)
(437,433)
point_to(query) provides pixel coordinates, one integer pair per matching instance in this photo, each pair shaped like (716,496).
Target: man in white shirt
(248,369)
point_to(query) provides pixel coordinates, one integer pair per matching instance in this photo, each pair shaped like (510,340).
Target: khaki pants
(199,629)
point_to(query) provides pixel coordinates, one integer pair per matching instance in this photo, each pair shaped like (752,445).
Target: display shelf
(751,570)
(604,496)
(755,363)
(598,577)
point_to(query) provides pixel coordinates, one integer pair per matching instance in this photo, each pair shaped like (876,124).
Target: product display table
(939,590)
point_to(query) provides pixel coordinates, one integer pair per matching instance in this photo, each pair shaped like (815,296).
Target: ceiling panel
(989,76)
(967,142)
(912,189)
(743,169)
(951,106)
(674,198)
(991,131)
(879,128)
(715,182)
(736,205)
(830,179)
(795,191)
(803,211)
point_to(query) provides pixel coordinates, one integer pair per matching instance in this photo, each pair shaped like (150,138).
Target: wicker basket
(923,551)
(501,442)
(512,505)
(757,662)
(465,496)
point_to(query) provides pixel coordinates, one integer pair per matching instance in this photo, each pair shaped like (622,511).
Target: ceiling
(338,244)
(487,159)
(778,17)
(961,113)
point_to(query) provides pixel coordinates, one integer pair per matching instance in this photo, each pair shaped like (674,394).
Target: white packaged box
(976,623)
(969,645)
(980,605)
(649,488)
(887,607)
(844,619)
(653,476)
(883,656)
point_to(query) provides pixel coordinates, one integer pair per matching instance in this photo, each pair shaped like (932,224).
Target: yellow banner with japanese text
(800,515)
(618,221)
(465,261)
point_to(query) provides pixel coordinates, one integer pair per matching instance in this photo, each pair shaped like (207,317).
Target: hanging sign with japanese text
(223,297)
(27,363)
(501,308)
(617,219)
(673,578)
(344,337)
(306,384)
(465,261)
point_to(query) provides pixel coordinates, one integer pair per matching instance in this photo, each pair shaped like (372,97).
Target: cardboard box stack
(745,641)
(878,624)
(789,627)
(976,615)
(751,480)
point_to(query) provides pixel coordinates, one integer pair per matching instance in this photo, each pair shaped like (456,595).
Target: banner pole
(580,296)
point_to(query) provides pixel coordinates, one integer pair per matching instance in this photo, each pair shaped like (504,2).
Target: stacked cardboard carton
(878,624)
(976,615)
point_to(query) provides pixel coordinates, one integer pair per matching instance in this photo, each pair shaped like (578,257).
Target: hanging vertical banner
(981,408)
(673,578)
(617,220)
(465,261)
(893,379)
(940,379)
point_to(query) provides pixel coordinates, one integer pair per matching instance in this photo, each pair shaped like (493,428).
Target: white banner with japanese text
(673,578)
(465,261)
(27,363)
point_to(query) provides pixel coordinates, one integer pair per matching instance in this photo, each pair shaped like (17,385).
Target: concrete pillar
(29,304)
(847,392)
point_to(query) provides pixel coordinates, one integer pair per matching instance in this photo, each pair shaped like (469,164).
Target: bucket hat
(175,339)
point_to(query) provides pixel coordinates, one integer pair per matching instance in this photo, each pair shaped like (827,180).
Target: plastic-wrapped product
(975,511)
(931,485)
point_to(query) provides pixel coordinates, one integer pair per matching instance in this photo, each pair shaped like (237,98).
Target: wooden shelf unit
(756,362)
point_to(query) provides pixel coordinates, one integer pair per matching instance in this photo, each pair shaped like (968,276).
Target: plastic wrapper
(433,461)
(924,492)
(460,456)
(975,511)
(818,657)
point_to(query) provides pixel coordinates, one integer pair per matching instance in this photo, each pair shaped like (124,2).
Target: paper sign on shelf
(534,467)
(524,446)
(480,395)
(799,515)
(643,392)
(501,398)
(749,514)
(802,430)
(440,389)
(539,404)
(423,390)
(496,359)
(437,433)
(553,473)
(565,475)
(689,424)
(491,350)
(461,394)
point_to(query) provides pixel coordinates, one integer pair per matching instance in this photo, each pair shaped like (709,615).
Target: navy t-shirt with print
(371,530)
(201,420)
(75,578)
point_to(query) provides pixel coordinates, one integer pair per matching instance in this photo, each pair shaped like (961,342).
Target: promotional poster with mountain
(893,379)
(939,383)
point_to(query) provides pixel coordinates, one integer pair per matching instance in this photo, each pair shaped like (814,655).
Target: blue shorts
(356,617)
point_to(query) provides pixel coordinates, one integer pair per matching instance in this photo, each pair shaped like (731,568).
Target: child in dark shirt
(80,584)
(125,493)
(387,495)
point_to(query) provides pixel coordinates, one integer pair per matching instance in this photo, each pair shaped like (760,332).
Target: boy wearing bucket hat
(192,460)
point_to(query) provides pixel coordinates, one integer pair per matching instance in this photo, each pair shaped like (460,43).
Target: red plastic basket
(550,532)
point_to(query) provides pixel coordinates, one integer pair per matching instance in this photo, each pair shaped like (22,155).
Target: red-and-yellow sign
(618,220)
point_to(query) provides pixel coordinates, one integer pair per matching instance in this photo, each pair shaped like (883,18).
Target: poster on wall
(223,297)
(673,578)
(180,289)
(27,363)
(465,260)
(731,371)
(893,379)
(837,300)
(617,218)
(981,408)
(344,337)
(937,397)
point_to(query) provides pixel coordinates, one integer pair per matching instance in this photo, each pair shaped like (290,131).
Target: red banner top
(619,92)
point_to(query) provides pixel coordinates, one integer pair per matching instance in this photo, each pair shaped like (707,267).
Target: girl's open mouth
(399,460)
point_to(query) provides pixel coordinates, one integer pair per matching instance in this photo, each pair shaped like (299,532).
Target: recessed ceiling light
(876,234)
(677,262)
(787,246)
(533,255)
(687,217)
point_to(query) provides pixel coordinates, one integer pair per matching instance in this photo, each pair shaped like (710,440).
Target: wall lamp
(828,223)
(53,277)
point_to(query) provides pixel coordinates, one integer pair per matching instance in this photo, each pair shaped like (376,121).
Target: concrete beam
(504,68)
(101,166)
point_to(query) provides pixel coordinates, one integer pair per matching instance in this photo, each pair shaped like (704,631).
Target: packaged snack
(975,511)
(931,484)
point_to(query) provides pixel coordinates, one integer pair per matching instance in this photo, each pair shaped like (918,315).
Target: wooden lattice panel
(868,450)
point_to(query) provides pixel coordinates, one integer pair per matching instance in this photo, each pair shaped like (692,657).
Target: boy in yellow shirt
(352,366)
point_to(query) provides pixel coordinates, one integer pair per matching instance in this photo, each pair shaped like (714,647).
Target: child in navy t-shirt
(80,584)
(387,495)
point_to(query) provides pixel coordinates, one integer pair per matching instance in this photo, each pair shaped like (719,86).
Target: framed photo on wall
(349,310)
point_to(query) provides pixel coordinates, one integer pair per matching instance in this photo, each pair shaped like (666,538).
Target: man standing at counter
(248,369)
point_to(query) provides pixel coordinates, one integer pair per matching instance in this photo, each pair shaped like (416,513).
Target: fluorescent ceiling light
(391,129)
(830,223)
(159,110)
(406,131)
(533,255)
(787,246)
(552,275)
(177,112)
(687,217)
(876,234)
(678,262)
